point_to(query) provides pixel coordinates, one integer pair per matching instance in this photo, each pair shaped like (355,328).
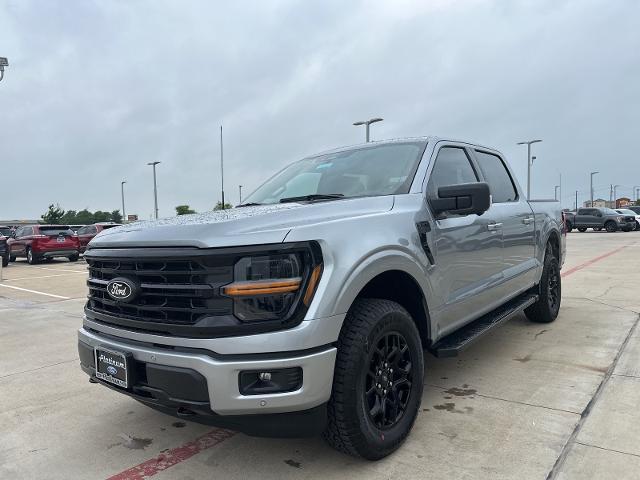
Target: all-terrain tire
(352,426)
(546,309)
(611,226)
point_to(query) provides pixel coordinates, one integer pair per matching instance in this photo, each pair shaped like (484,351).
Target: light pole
(366,123)
(591,189)
(3,63)
(555,192)
(155,188)
(124,216)
(529,162)
(636,190)
(615,195)
(240,188)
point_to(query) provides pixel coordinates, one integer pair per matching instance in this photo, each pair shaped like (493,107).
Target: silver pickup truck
(307,309)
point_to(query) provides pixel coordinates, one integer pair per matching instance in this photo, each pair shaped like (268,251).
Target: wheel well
(554,242)
(400,287)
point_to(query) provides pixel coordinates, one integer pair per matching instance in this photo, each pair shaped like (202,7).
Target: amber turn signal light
(261,287)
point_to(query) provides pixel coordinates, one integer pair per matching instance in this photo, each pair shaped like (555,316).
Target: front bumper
(222,402)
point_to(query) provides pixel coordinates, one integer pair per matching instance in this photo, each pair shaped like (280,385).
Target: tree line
(57,216)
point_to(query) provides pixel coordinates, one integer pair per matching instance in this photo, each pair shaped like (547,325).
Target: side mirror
(462,199)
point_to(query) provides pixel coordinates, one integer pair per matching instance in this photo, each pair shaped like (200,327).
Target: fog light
(276,381)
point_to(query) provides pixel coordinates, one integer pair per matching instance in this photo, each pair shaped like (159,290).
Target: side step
(454,343)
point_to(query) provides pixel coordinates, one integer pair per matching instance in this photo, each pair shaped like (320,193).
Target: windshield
(368,171)
(53,231)
(626,211)
(609,211)
(5,231)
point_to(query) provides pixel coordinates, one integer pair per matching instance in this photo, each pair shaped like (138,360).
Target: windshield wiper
(312,197)
(250,204)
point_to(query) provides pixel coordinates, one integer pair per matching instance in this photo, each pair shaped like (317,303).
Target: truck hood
(255,225)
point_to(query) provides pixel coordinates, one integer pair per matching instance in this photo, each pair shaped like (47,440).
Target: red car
(86,233)
(37,242)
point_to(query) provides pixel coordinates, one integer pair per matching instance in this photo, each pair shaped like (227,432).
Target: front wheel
(74,258)
(610,226)
(582,229)
(377,384)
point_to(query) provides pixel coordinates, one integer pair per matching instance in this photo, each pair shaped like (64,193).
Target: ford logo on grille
(111,370)
(122,289)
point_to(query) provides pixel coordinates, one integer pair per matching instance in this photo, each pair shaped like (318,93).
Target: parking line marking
(44,276)
(174,456)
(59,269)
(566,273)
(35,291)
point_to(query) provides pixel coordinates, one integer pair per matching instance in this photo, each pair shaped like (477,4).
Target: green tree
(99,216)
(219,206)
(184,210)
(116,216)
(53,216)
(69,217)
(84,217)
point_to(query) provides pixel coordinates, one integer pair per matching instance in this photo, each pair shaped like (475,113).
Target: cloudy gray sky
(96,89)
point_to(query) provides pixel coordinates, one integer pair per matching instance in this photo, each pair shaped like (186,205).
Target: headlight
(271,287)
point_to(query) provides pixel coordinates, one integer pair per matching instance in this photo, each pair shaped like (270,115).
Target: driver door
(467,249)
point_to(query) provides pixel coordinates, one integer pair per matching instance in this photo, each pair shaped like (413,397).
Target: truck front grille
(176,290)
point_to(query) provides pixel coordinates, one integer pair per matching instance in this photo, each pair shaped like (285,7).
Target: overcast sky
(95,90)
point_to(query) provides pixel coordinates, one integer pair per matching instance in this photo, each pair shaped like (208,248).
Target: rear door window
(497,176)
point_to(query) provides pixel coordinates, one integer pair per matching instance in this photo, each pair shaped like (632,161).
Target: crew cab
(308,308)
(87,232)
(5,234)
(43,242)
(599,218)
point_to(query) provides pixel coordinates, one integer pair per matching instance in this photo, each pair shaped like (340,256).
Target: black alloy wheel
(388,381)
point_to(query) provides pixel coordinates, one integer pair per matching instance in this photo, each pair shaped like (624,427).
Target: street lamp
(366,123)
(155,187)
(591,189)
(615,194)
(3,63)
(555,192)
(240,188)
(124,216)
(636,190)
(529,163)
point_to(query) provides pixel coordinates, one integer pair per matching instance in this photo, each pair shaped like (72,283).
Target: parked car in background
(599,218)
(628,212)
(38,242)
(5,234)
(86,233)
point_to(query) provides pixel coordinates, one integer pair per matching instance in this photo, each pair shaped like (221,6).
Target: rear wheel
(582,229)
(12,258)
(546,309)
(31,258)
(610,226)
(377,385)
(74,258)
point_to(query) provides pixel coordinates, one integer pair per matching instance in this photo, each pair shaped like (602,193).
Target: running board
(454,343)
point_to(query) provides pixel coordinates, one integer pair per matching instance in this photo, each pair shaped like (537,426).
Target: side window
(452,167)
(19,231)
(28,231)
(92,230)
(497,176)
(582,211)
(82,231)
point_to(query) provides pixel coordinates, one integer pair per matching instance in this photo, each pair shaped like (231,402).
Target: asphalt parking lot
(527,401)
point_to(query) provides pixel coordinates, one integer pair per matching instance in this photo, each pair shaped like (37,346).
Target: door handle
(527,220)
(492,227)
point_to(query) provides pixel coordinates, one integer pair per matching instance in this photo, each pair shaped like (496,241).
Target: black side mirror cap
(462,199)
